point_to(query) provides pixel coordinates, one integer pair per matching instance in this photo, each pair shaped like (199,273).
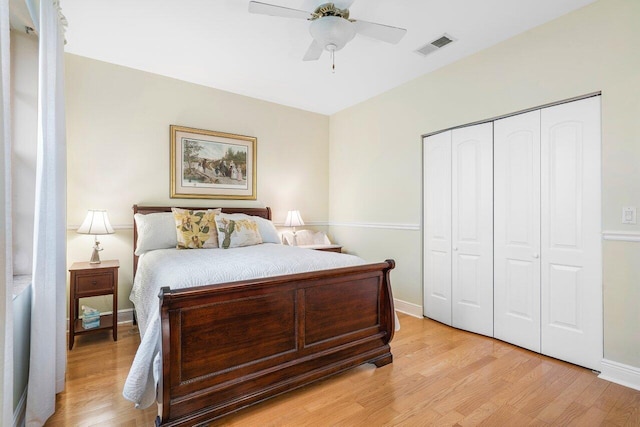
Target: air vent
(438,43)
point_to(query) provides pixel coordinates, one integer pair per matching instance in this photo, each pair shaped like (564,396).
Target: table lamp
(96,222)
(293,220)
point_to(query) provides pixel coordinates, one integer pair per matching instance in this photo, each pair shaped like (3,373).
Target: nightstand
(90,280)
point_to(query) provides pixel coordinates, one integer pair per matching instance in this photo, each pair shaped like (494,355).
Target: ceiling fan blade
(314,52)
(342,4)
(382,32)
(273,10)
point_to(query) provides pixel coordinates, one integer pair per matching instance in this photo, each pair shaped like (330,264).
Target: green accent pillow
(234,233)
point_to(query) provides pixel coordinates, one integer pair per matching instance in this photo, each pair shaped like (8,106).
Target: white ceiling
(217,43)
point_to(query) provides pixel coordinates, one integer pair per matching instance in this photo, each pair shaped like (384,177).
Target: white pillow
(266,228)
(305,238)
(155,231)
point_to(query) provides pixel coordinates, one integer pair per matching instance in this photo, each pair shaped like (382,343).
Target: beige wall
(118,151)
(375,147)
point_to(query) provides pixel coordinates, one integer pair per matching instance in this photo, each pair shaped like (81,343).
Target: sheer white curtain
(48,307)
(6,270)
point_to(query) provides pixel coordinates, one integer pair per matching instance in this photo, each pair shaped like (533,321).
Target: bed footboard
(228,346)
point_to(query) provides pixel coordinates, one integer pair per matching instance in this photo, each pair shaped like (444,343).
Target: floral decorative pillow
(196,229)
(268,231)
(234,233)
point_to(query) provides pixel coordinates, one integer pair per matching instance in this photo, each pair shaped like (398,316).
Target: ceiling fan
(331,27)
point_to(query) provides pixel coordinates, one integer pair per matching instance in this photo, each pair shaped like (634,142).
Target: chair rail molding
(620,235)
(387,226)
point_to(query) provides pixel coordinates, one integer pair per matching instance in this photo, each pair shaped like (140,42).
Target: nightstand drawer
(94,283)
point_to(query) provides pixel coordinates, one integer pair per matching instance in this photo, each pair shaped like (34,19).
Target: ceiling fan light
(332,30)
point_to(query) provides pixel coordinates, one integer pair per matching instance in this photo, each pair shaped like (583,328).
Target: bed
(222,345)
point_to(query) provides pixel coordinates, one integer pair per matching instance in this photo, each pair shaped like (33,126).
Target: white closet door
(571,233)
(437,226)
(472,228)
(517,230)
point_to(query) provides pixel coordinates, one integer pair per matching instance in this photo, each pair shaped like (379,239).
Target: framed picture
(212,165)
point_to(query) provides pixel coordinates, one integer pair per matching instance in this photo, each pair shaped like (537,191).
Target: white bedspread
(186,268)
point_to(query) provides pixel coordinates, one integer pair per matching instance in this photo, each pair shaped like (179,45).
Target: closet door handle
(536,255)
(455,248)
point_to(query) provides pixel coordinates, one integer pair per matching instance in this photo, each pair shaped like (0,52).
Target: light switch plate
(629,215)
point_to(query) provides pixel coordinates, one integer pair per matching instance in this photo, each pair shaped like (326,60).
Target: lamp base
(95,257)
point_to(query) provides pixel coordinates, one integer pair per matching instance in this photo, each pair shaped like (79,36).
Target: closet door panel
(517,230)
(472,228)
(571,233)
(437,227)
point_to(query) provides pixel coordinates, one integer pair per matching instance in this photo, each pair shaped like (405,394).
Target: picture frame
(212,165)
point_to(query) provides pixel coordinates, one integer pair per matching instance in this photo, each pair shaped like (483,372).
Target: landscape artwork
(213,164)
(209,164)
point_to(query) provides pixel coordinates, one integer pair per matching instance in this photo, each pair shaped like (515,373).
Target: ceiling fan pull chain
(333,61)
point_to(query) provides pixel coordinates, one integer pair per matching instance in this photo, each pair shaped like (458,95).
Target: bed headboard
(144,210)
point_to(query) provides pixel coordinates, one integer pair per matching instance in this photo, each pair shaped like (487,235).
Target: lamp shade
(96,222)
(293,219)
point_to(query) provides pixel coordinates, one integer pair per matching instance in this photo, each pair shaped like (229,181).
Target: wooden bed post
(165,378)
(389,297)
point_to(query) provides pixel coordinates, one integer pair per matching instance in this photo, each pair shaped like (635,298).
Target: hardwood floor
(440,376)
(96,370)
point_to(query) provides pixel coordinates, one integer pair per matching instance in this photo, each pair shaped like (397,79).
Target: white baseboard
(619,373)
(408,308)
(21,411)
(125,316)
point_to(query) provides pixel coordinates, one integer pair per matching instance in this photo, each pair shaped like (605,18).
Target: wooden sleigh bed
(227,346)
